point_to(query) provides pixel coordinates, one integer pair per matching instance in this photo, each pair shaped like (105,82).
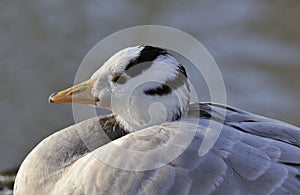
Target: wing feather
(252,155)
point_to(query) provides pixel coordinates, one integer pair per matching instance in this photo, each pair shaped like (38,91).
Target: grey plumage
(253,155)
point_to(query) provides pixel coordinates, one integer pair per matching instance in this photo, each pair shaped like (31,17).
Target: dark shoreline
(7,179)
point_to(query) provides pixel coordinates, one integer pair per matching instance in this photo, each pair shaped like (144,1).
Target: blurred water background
(256,44)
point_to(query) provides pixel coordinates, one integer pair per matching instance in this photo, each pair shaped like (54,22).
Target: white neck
(148,111)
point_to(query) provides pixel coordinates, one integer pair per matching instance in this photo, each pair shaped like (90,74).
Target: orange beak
(79,94)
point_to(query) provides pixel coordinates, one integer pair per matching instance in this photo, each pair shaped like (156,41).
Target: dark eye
(118,78)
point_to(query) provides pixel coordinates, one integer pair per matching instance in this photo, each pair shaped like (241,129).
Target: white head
(142,85)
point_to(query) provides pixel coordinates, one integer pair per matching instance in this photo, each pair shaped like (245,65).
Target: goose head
(142,86)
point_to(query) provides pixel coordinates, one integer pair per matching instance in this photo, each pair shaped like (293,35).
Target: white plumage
(252,155)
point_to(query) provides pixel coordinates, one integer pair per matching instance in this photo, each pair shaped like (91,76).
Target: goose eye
(118,78)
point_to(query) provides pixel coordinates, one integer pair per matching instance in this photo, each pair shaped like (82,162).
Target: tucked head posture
(142,85)
(145,86)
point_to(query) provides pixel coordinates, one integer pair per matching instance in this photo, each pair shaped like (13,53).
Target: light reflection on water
(42,44)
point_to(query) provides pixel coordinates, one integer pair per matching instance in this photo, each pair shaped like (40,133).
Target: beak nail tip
(50,98)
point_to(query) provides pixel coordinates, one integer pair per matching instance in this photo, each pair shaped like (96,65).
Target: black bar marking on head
(171,84)
(144,60)
(160,90)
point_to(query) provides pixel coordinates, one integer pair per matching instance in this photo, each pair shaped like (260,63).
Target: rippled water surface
(256,44)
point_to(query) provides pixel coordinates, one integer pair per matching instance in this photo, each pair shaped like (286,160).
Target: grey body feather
(252,155)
